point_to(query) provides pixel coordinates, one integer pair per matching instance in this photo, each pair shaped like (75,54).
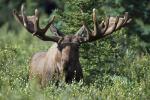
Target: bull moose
(62,58)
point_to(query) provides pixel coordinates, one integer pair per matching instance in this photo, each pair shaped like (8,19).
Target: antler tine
(112,27)
(120,23)
(123,21)
(95,23)
(49,24)
(23,15)
(126,17)
(15,13)
(36,24)
(106,24)
(20,18)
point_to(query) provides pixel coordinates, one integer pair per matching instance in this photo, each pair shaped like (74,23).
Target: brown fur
(61,59)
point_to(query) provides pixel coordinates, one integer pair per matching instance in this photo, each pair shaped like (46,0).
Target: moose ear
(80,31)
(56,31)
(83,33)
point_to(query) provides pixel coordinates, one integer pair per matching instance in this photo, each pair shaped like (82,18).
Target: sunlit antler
(103,29)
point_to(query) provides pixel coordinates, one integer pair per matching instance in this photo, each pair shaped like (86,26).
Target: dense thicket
(116,67)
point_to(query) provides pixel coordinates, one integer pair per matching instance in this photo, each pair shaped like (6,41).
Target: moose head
(62,59)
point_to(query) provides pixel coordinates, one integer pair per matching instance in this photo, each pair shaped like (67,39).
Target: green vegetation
(117,67)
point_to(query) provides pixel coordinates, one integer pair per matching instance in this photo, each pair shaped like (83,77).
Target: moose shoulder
(63,56)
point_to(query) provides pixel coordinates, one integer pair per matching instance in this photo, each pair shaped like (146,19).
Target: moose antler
(31,23)
(103,29)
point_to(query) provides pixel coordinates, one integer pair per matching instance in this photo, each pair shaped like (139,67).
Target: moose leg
(79,73)
(44,80)
(69,75)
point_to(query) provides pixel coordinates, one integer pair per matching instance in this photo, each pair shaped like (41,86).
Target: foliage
(116,67)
